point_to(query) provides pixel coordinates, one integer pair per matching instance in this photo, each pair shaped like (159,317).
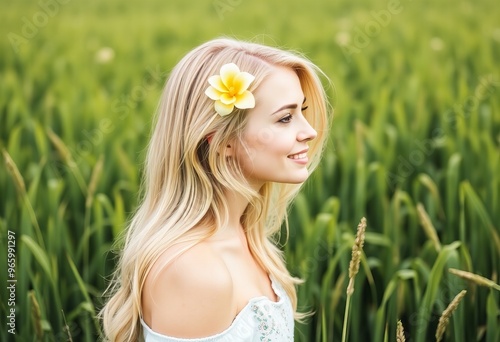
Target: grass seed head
(61,148)
(357,249)
(400,333)
(36,317)
(14,171)
(429,229)
(479,280)
(445,317)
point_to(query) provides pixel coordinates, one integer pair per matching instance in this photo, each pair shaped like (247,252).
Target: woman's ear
(209,137)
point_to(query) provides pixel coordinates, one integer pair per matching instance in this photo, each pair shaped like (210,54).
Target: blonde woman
(239,128)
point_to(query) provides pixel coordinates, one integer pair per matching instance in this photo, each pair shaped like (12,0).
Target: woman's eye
(304,108)
(286,119)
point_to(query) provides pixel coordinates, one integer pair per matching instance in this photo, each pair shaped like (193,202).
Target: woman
(239,128)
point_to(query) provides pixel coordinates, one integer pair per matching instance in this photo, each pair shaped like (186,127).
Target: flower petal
(245,100)
(213,93)
(230,89)
(216,82)
(223,109)
(228,72)
(242,81)
(227,99)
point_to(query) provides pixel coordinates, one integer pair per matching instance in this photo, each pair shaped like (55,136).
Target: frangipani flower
(229,89)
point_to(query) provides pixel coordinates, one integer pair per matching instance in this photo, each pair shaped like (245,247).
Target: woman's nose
(306,132)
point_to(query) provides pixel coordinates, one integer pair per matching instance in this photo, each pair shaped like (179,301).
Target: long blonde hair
(185,177)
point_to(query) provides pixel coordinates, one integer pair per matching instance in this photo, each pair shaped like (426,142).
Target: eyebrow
(288,106)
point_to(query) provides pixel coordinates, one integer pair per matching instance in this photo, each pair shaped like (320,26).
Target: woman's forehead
(280,87)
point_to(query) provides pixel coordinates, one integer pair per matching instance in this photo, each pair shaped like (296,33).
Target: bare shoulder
(190,297)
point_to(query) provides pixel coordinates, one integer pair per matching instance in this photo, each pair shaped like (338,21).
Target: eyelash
(286,119)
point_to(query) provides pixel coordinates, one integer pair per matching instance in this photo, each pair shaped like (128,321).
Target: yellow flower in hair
(229,89)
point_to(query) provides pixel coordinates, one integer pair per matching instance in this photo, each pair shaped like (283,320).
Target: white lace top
(260,320)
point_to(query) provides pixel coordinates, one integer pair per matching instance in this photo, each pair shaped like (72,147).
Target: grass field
(414,148)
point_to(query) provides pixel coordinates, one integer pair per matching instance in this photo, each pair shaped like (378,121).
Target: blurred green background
(415,147)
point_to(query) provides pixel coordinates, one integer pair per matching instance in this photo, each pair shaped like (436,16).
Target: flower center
(231,91)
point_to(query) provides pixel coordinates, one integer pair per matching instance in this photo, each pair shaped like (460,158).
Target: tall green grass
(415,148)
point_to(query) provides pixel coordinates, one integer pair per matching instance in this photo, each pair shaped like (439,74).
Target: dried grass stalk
(357,249)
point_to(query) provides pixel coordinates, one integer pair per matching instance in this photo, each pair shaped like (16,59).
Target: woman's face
(275,138)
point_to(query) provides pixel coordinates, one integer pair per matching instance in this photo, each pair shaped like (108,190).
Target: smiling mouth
(298,156)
